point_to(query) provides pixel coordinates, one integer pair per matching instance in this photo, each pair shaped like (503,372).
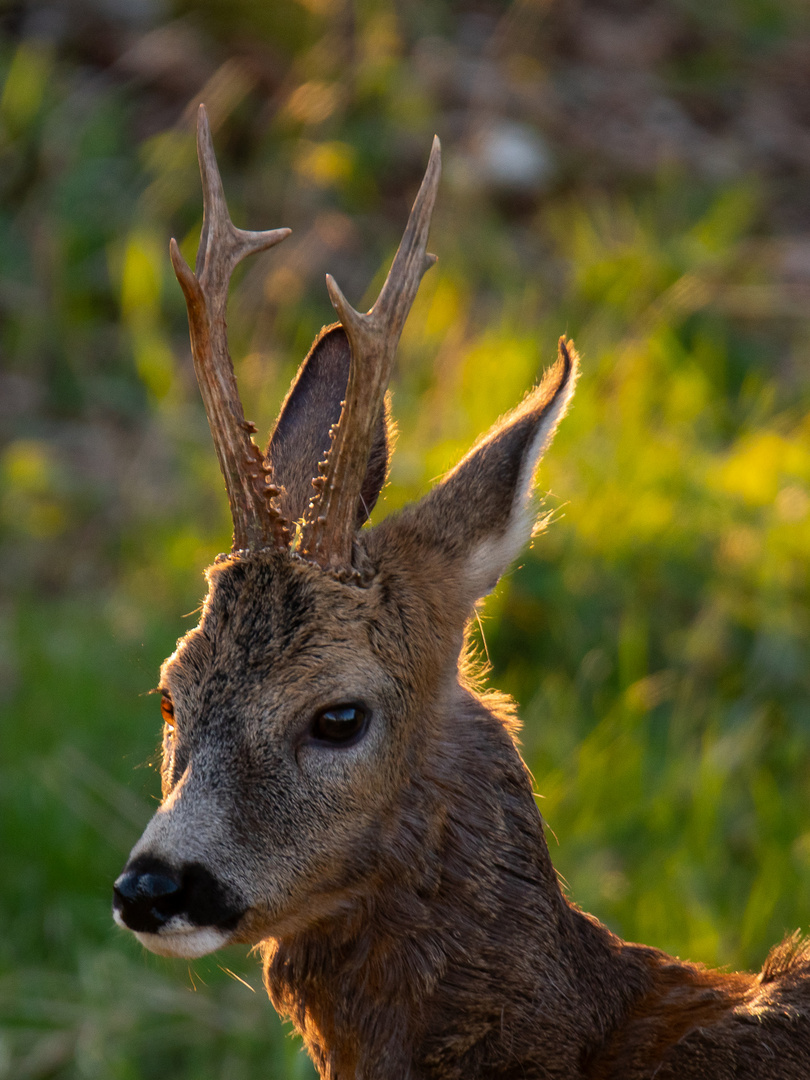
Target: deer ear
(302,436)
(482,513)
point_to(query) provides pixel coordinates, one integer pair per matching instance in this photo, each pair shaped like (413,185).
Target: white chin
(179,938)
(186,943)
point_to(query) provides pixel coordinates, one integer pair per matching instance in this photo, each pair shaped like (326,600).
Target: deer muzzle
(175,911)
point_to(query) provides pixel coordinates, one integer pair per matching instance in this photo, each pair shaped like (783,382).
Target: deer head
(304,712)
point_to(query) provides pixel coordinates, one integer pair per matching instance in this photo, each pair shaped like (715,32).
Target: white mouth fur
(179,938)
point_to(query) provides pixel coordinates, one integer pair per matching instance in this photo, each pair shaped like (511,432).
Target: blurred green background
(634,173)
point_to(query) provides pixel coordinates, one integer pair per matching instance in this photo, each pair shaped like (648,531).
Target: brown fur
(415,927)
(400,885)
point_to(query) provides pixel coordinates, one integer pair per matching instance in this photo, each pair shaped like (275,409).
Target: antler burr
(257,523)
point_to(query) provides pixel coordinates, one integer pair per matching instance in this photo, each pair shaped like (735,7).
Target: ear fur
(302,435)
(482,512)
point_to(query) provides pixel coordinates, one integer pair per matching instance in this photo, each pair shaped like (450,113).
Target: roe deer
(335,789)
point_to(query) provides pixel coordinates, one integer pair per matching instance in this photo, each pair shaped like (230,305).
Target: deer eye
(339,724)
(167,710)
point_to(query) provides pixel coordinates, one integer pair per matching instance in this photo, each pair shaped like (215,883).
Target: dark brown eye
(339,724)
(167,710)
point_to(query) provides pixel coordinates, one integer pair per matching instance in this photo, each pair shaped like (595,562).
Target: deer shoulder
(334,788)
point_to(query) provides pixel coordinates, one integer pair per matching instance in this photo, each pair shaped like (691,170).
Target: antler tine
(330,524)
(256,522)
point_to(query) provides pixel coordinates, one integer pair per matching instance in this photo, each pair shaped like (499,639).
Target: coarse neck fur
(462,956)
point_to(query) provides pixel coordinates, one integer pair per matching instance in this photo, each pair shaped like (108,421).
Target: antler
(256,522)
(329,528)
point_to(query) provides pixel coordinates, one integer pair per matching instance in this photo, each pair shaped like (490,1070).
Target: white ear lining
(492,555)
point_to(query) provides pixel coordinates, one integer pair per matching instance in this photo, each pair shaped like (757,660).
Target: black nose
(150,892)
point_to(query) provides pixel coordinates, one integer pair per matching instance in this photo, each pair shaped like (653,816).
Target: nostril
(134,885)
(148,894)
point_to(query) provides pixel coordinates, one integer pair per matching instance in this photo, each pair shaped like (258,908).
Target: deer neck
(465,959)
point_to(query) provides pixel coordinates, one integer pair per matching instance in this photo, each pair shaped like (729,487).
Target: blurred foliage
(633,173)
